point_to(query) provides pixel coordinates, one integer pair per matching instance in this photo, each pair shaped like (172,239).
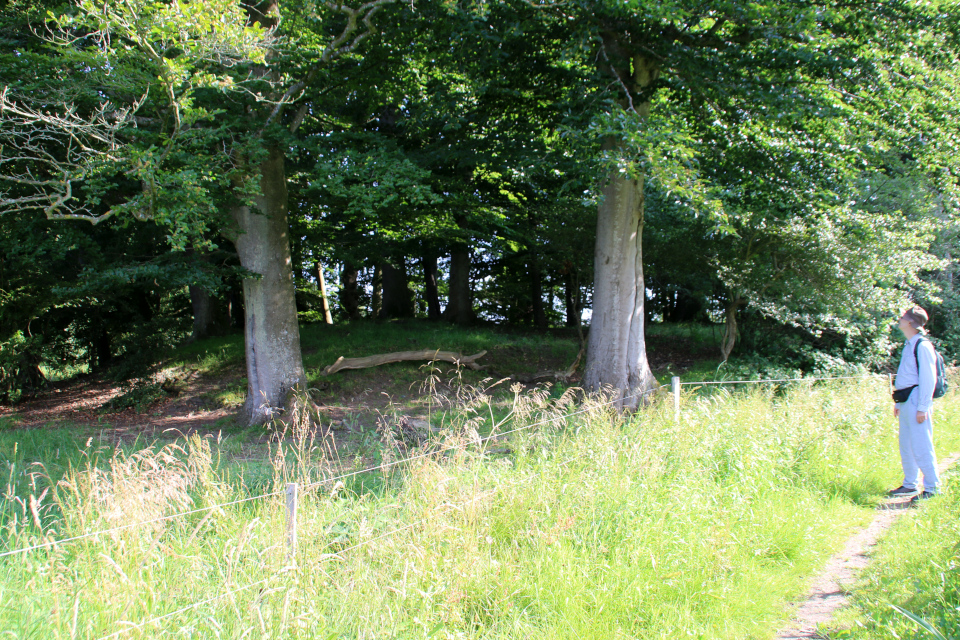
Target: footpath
(829,590)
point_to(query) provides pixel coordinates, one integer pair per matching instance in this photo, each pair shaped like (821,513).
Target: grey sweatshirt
(925,378)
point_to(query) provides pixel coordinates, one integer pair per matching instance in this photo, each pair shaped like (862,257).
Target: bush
(20,374)
(768,347)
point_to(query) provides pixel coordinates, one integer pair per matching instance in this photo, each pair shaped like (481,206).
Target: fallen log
(559,376)
(403,356)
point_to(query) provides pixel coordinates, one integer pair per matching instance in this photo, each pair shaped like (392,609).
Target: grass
(592,526)
(916,569)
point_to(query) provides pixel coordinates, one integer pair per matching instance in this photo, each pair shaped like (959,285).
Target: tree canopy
(787,163)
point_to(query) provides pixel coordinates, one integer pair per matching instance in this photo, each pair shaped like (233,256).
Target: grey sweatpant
(916,448)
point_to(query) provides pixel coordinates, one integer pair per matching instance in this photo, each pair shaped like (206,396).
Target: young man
(915,414)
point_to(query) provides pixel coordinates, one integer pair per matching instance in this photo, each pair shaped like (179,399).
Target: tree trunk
(429,263)
(376,296)
(202,303)
(431,355)
(535,275)
(397,299)
(460,305)
(616,351)
(102,349)
(322,283)
(729,340)
(536,292)
(349,291)
(571,299)
(274,362)
(460,302)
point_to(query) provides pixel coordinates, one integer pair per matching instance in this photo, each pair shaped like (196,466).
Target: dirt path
(829,590)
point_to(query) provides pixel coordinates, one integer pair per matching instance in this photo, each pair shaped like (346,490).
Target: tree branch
(348,40)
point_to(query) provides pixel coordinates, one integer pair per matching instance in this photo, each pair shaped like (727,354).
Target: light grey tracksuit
(916,440)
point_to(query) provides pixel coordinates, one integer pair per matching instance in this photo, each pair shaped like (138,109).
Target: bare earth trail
(829,590)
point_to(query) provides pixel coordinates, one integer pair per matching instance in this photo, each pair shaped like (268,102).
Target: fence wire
(492,436)
(384,466)
(181,514)
(134,626)
(138,626)
(706,382)
(445,508)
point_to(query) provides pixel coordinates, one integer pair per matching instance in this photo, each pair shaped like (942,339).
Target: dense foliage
(438,159)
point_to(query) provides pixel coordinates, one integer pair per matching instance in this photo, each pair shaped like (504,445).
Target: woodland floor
(80,402)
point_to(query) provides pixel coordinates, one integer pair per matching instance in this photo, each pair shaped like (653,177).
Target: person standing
(917,377)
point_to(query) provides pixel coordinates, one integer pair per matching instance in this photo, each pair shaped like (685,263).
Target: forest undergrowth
(590,524)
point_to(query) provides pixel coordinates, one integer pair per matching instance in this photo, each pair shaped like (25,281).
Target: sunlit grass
(917,564)
(593,526)
(66,371)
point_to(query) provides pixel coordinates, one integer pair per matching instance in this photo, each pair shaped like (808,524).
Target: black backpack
(941,385)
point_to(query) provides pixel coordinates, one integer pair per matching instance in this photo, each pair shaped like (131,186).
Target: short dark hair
(916,316)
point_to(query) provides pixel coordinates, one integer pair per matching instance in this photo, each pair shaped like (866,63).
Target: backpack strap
(916,346)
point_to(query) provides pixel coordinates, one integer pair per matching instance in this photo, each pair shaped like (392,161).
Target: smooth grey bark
(616,350)
(322,284)
(730,329)
(274,361)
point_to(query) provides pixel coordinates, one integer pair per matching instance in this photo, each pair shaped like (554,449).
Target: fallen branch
(559,376)
(403,356)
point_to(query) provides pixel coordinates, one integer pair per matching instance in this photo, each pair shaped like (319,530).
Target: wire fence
(139,523)
(867,376)
(384,466)
(675,386)
(444,508)
(133,626)
(334,479)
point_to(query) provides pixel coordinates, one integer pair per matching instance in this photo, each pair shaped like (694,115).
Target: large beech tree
(799,82)
(192,105)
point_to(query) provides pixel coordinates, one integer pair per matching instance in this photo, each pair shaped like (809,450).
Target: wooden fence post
(291,499)
(675,388)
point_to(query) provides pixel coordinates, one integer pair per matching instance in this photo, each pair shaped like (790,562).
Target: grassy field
(588,525)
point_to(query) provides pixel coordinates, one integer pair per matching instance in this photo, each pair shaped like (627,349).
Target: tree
(684,79)
(188,105)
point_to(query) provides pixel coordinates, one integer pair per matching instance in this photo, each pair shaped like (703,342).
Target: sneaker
(901,492)
(926,495)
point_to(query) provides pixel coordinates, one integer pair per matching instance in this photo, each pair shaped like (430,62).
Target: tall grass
(916,569)
(594,526)
(916,574)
